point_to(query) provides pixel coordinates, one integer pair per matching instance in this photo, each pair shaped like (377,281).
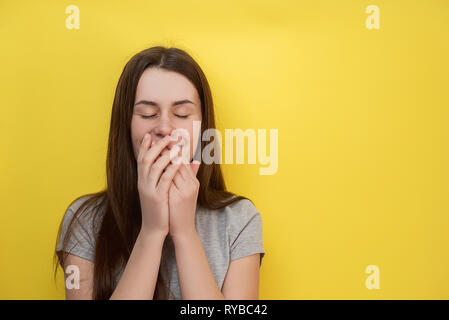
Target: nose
(162,129)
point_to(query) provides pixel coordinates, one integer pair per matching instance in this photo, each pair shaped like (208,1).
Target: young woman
(161,229)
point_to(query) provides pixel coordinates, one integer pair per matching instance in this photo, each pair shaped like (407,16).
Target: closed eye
(154,115)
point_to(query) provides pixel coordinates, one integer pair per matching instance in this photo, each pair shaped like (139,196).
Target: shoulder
(82,214)
(244,229)
(241,214)
(86,207)
(78,229)
(82,200)
(236,210)
(241,208)
(235,216)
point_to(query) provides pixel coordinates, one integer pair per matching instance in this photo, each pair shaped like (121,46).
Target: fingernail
(176,149)
(177,160)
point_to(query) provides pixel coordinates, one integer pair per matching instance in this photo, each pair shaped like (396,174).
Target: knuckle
(156,166)
(140,160)
(146,160)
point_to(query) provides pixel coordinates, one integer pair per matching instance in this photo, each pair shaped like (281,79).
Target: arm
(86,269)
(194,273)
(139,278)
(242,279)
(196,280)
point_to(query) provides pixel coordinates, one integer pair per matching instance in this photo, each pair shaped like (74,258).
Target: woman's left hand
(182,199)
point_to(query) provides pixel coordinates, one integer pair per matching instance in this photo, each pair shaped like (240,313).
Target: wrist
(185,235)
(146,236)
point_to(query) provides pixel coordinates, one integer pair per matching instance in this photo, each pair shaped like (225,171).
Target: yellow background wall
(362,118)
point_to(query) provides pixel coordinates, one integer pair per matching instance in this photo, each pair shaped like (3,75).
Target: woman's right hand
(155,174)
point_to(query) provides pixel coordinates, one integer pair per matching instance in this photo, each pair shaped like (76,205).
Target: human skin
(165,103)
(161,87)
(175,202)
(164,87)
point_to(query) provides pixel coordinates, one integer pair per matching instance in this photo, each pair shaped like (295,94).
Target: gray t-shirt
(226,234)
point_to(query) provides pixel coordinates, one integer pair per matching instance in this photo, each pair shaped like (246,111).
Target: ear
(195,165)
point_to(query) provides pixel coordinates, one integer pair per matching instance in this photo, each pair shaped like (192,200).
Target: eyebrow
(152,103)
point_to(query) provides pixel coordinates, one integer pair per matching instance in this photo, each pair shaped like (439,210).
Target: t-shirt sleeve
(247,237)
(81,239)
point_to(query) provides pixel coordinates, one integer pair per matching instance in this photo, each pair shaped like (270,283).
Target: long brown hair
(119,201)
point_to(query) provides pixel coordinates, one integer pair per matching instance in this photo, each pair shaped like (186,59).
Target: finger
(178,179)
(183,172)
(185,154)
(174,153)
(175,186)
(195,166)
(191,169)
(150,157)
(145,143)
(158,167)
(162,152)
(167,177)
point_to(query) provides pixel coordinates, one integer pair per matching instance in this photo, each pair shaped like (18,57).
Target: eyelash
(150,117)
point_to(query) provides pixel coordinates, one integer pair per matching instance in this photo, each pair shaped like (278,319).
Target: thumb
(195,165)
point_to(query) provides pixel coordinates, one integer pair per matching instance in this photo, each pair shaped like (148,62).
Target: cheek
(139,127)
(138,130)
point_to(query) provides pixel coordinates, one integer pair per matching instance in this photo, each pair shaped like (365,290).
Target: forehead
(165,86)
